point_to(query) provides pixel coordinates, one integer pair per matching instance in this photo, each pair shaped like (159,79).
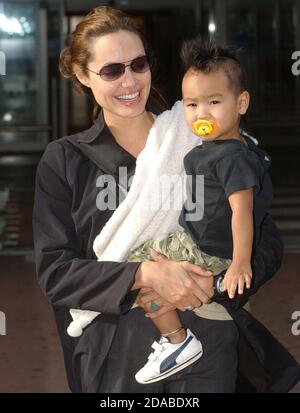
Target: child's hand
(237,275)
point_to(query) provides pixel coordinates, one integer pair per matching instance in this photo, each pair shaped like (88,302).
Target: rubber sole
(174,370)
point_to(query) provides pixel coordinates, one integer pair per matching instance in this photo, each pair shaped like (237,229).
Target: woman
(107,59)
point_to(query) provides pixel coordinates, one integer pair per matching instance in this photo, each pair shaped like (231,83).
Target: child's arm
(240,271)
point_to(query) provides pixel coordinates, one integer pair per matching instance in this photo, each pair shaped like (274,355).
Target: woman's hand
(175,281)
(147,296)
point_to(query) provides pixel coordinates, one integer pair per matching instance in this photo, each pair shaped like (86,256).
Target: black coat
(66,221)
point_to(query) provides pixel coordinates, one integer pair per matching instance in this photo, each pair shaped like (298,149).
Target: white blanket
(152,206)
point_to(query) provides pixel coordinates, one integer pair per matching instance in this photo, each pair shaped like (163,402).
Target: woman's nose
(128,77)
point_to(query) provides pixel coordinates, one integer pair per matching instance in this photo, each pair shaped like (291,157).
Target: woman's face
(126,96)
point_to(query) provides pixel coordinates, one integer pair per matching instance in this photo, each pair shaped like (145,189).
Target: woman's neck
(131,133)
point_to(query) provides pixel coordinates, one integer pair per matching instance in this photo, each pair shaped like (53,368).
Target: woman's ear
(244,100)
(83,79)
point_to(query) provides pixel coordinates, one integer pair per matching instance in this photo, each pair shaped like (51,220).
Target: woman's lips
(129,98)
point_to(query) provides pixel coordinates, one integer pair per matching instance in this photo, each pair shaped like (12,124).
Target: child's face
(210,97)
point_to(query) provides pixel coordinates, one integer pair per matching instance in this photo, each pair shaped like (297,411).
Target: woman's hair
(204,55)
(100,21)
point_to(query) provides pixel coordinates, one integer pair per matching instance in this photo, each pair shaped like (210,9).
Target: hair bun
(65,63)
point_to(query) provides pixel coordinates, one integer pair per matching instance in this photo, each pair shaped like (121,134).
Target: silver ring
(188,307)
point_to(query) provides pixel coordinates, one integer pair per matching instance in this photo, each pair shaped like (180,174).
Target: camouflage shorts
(179,246)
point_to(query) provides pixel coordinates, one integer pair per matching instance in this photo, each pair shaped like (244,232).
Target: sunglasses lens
(116,70)
(113,71)
(140,64)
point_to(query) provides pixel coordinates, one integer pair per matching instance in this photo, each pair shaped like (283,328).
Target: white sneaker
(169,358)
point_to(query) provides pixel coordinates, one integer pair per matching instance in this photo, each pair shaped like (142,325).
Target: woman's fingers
(163,309)
(190,304)
(145,290)
(143,299)
(205,283)
(157,256)
(173,282)
(196,269)
(199,294)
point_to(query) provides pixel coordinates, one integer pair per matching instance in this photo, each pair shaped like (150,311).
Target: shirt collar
(100,127)
(99,145)
(89,135)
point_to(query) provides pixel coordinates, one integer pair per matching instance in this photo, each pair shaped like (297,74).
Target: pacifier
(204,127)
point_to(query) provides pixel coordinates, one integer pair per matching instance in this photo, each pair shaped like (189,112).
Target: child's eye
(214,102)
(191,105)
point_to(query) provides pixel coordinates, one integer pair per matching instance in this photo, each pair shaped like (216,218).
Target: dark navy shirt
(228,166)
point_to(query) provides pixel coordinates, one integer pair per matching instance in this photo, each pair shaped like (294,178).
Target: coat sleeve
(266,260)
(66,277)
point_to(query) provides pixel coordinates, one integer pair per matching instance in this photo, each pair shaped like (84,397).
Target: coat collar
(100,146)
(90,135)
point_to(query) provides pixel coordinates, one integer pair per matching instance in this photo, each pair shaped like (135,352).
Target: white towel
(152,206)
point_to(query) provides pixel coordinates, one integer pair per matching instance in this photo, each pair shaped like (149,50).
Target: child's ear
(244,100)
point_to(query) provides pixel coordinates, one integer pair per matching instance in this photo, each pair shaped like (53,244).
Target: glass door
(267,31)
(24,117)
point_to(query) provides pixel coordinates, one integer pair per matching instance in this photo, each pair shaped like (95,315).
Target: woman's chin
(132,111)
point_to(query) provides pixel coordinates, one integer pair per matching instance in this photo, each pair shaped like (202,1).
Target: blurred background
(38,106)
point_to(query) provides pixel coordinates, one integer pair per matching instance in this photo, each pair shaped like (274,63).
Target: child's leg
(178,347)
(171,327)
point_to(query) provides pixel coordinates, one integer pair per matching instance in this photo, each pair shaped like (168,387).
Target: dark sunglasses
(114,71)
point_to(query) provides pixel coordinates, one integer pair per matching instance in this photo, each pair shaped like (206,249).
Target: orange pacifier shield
(204,127)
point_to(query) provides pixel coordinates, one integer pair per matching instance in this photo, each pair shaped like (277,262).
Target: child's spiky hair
(206,56)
